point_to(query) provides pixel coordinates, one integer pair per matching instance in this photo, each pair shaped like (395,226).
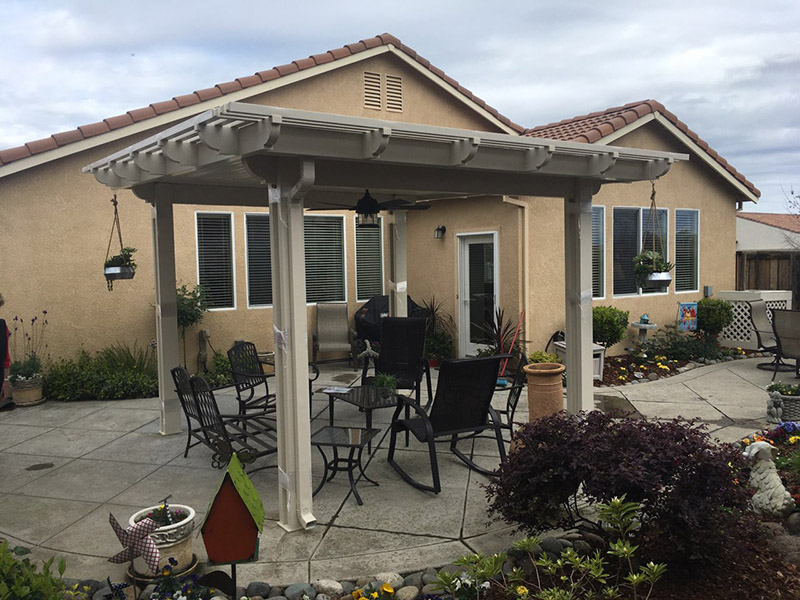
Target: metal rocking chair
(183,387)
(786,325)
(462,408)
(248,376)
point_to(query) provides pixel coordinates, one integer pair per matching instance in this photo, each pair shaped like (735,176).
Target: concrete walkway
(64,467)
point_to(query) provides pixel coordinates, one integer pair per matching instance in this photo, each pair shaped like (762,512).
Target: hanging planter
(651,270)
(122,265)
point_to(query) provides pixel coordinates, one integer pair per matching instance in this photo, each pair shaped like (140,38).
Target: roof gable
(606,126)
(184,106)
(787,222)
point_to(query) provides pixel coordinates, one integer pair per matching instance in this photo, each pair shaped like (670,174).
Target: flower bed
(785,437)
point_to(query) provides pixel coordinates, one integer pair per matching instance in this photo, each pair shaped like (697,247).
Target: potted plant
(651,271)
(439,332)
(120,266)
(25,373)
(783,403)
(173,537)
(386,384)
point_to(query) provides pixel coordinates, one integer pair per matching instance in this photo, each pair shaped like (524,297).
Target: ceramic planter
(172,540)
(545,392)
(783,408)
(28,392)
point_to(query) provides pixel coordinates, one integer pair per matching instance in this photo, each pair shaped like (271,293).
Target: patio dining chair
(248,377)
(183,387)
(462,408)
(518,381)
(402,355)
(250,436)
(765,336)
(786,327)
(333,333)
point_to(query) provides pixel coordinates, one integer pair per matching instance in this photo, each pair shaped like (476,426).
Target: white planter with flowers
(173,540)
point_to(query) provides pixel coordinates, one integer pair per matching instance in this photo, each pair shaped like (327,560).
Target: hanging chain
(652,223)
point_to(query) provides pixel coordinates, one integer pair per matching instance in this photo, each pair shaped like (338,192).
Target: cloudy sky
(729,69)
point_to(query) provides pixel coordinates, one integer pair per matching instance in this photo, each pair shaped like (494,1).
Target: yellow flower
(522,591)
(794,439)
(356,594)
(387,588)
(373,595)
(746,441)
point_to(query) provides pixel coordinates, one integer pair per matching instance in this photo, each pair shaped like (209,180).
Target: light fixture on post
(438,233)
(367,211)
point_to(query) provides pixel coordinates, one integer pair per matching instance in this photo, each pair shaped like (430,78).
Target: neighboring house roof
(85,132)
(612,123)
(787,222)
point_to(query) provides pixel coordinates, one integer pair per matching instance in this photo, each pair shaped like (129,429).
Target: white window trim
(344,251)
(247,262)
(233,254)
(355,256)
(460,273)
(641,210)
(603,253)
(675,255)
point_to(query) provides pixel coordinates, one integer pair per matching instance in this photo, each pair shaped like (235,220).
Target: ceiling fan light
(369,220)
(367,211)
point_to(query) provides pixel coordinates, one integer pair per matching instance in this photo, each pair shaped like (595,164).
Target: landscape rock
(414,579)
(408,592)
(428,578)
(258,588)
(653,376)
(793,523)
(432,588)
(551,545)
(329,587)
(393,579)
(362,581)
(275,592)
(347,587)
(323,597)
(298,590)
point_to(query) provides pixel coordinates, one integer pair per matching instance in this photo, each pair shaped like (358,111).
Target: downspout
(524,259)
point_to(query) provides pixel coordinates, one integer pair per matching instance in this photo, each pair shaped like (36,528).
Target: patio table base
(354,438)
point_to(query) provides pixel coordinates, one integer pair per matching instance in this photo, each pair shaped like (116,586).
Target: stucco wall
(58,222)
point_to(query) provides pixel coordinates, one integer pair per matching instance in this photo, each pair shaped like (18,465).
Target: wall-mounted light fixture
(438,233)
(367,211)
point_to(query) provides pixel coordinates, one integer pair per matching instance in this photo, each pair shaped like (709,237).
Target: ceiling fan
(367,208)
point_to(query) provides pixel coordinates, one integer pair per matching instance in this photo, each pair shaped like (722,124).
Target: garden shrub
(21,580)
(221,375)
(713,315)
(687,485)
(609,325)
(680,345)
(114,373)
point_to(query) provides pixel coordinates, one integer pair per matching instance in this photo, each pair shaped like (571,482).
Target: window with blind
(598,251)
(631,236)
(369,261)
(648,234)
(686,251)
(324,246)
(259,267)
(215,258)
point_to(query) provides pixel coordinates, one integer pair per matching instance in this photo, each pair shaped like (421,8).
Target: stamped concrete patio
(64,467)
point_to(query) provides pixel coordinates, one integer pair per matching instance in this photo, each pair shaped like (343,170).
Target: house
(768,252)
(505,251)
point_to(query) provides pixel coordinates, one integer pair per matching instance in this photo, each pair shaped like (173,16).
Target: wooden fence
(769,271)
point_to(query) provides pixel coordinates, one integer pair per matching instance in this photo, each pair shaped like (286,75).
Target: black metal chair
(786,326)
(250,436)
(462,408)
(248,376)
(765,336)
(183,387)
(518,382)
(402,355)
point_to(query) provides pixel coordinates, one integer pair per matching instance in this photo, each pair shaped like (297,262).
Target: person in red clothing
(5,355)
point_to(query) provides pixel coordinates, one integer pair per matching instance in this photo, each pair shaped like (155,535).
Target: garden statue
(771,497)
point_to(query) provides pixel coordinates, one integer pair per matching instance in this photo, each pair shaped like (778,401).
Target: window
(369,261)
(598,251)
(215,258)
(686,251)
(632,236)
(324,246)
(259,267)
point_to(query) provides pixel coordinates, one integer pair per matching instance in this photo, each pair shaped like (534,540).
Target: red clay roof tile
(42,145)
(140,114)
(588,127)
(789,222)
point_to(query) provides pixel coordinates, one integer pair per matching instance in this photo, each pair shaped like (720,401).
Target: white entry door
(477,288)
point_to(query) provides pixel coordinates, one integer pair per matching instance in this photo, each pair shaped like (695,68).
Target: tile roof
(597,125)
(788,222)
(58,140)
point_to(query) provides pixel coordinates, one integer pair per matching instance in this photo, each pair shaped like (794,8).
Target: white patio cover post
(398,273)
(166,308)
(291,347)
(578,288)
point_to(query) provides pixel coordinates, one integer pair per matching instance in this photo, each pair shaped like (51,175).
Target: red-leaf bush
(693,501)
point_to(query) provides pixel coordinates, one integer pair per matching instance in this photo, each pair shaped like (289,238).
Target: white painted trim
(355,258)
(182,114)
(461,242)
(233,254)
(675,236)
(247,262)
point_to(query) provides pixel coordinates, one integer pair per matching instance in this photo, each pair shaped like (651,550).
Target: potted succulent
(173,537)
(385,384)
(120,266)
(651,271)
(25,373)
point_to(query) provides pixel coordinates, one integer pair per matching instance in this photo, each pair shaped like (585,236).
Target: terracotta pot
(172,540)
(545,392)
(27,393)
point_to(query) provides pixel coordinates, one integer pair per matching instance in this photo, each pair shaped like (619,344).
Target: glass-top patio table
(365,397)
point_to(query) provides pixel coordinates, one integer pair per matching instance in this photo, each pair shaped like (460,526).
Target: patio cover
(242,154)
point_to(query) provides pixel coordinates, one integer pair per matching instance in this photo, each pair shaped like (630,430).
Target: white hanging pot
(657,280)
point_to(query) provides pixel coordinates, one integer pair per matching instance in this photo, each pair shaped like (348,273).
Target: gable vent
(372,90)
(394,93)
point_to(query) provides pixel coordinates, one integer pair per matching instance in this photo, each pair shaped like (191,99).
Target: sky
(729,69)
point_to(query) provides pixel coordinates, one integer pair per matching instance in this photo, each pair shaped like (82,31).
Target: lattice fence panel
(740,332)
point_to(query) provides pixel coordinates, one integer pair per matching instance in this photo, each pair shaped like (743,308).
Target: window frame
(230,214)
(603,245)
(675,234)
(344,256)
(247,261)
(640,230)
(382,257)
